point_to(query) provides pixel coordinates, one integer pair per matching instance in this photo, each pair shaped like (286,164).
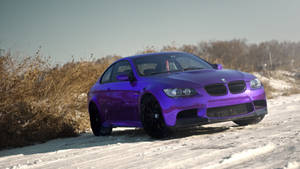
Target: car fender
(154,91)
(93,100)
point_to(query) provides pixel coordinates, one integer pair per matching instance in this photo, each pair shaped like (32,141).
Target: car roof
(147,54)
(151,54)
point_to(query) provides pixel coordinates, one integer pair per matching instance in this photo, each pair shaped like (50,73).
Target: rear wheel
(152,119)
(96,124)
(248,121)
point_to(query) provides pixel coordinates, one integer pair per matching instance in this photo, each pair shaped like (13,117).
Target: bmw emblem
(223,80)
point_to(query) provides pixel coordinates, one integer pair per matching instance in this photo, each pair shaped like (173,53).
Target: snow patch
(292,165)
(243,156)
(280,84)
(286,73)
(275,83)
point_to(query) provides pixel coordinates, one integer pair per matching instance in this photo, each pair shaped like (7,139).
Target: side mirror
(123,77)
(217,66)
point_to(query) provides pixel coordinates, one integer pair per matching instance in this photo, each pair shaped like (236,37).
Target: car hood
(204,77)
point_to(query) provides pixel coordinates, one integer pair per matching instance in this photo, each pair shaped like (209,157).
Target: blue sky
(79,27)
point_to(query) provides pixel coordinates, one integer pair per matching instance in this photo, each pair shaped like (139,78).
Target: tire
(152,119)
(248,121)
(96,125)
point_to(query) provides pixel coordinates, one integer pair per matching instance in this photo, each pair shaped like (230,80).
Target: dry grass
(38,103)
(294,90)
(268,89)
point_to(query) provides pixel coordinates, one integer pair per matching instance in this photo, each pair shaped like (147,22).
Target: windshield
(164,63)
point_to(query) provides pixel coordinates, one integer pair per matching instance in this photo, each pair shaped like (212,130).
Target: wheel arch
(94,106)
(91,106)
(145,94)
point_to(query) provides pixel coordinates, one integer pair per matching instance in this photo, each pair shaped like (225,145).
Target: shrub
(39,102)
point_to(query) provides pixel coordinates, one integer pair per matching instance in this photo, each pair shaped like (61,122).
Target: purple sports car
(160,90)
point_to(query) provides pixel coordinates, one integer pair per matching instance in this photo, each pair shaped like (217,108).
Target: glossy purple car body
(160,90)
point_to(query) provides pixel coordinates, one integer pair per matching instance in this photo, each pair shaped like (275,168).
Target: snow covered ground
(281,81)
(273,143)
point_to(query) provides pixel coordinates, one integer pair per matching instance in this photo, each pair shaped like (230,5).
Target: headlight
(255,84)
(179,92)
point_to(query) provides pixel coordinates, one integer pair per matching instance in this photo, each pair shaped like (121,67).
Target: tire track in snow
(240,157)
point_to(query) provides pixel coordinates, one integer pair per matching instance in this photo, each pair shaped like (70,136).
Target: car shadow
(195,130)
(86,140)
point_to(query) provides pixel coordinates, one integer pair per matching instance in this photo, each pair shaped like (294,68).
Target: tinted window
(122,67)
(186,62)
(107,75)
(147,68)
(162,63)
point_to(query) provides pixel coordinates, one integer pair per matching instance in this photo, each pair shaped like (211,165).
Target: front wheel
(152,119)
(96,125)
(248,121)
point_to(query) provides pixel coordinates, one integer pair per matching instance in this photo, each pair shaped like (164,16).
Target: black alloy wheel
(96,125)
(152,119)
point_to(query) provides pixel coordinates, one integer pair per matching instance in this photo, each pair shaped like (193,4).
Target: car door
(123,94)
(103,96)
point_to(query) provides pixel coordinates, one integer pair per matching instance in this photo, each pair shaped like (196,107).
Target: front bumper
(204,120)
(171,107)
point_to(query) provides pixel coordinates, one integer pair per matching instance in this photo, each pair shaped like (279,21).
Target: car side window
(122,67)
(106,78)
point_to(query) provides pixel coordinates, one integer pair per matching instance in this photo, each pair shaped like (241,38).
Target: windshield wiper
(192,68)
